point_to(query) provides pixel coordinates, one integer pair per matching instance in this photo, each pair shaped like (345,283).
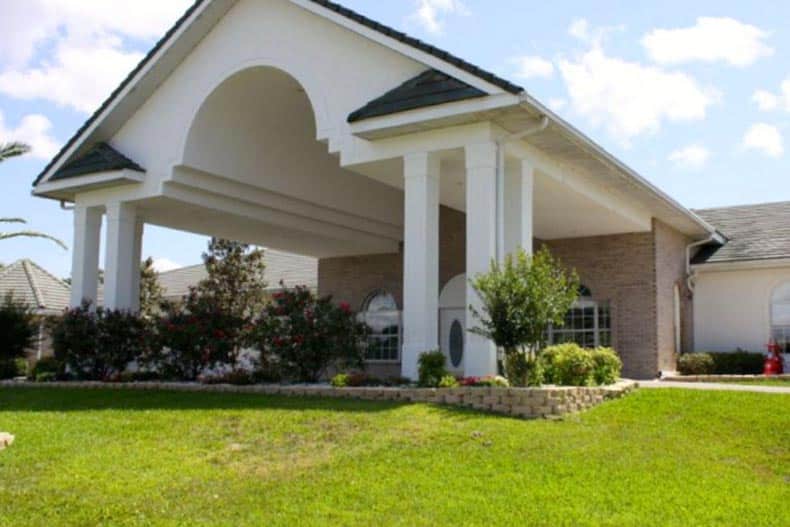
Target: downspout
(501,143)
(689,272)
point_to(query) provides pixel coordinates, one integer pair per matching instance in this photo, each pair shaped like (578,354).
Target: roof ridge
(26,266)
(744,206)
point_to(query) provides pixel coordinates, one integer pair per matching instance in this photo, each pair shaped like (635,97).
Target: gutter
(690,272)
(501,143)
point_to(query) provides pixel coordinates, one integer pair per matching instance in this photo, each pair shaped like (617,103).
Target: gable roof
(30,283)
(334,7)
(100,158)
(429,88)
(754,232)
(292,269)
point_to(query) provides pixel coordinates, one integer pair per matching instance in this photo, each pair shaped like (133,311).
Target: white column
(119,262)
(420,259)
(481,198)
(137,255)
(85,255)
(519,190)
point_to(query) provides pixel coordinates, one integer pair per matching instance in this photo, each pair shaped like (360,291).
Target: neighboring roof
(348,13)
(429,88)
(754,232)
(102,157)
(292,269)
(30,283)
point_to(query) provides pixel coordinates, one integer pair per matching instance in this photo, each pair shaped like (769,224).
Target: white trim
(89,182)
(766,263)
(153,61)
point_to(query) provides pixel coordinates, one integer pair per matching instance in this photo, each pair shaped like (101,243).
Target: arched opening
(381,314)
(252,144)
(780,316)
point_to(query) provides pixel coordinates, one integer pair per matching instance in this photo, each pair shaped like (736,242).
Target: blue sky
(693,95)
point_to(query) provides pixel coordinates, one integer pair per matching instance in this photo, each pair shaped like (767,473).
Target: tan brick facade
(635,273)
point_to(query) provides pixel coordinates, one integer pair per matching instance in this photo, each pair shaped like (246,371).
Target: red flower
(345,307)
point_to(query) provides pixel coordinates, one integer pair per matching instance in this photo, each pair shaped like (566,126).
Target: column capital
(420,164)
(121,211)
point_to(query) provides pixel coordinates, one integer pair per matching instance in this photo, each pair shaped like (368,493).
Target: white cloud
(629,98)
(767,101)
(88,41)
(531,66)
(580,29)
(709,40)
(764,138)
(692,156)
(162,265)
(430,13)
(34,130)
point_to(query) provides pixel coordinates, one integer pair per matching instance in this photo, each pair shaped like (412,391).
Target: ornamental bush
(19,330)
(308,335)
(99,344)
(431,368)
(738,362)
(695,364)
(607,366)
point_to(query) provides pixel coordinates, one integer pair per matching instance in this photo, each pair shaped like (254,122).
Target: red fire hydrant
(773,362)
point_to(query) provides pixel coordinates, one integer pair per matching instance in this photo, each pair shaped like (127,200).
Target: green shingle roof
(429,88)
(754,232)
(102,157)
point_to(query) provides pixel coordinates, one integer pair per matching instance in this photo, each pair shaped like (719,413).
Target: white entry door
(452,336)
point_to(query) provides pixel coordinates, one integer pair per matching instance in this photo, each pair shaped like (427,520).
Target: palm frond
(13,149)
(31,234)
(12,220)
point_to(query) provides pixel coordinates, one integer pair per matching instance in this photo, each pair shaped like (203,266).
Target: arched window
(380,313)
(780,316)
(588,323)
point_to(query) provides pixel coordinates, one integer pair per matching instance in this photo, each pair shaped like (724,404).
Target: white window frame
(585,303)
(363,318)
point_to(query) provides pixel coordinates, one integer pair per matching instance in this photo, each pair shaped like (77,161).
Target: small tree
(151,291)
(521,298)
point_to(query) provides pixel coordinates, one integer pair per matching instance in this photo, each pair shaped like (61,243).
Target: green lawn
(657,457)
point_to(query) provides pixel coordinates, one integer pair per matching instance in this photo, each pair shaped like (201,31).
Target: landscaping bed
(149,458)
(548,401)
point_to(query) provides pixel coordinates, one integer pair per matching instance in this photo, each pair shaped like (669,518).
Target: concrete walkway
(733,387)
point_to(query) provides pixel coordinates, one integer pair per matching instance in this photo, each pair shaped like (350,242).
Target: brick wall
(635,273)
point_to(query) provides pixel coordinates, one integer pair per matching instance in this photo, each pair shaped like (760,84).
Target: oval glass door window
(456,343)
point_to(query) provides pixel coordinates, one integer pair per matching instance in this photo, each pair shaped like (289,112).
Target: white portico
(294,125)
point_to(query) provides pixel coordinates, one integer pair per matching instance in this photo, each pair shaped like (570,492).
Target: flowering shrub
(308,335)
(495,381)
(99,344)
(571,365)
(195,338)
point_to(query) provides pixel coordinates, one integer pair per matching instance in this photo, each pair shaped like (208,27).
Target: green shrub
(19,330)
(236,377)
(431,368)
(448,381)
(695,364)
(9,369)
(47,366)
(738,362)
(100,344)
(568,365)
(523,369)
(309,335)
(607,366)
(46,376)
(340,380)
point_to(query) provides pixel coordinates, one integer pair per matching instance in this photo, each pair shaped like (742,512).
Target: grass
(657,457)
(764,381)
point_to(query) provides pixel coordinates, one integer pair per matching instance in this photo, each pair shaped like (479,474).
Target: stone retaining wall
(547,401)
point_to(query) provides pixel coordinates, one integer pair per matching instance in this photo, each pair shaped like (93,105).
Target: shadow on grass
(86,399)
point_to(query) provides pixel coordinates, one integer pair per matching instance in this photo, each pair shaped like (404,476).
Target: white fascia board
(400,47)
(87,182)
(118,98)
(599,152)
(741,265)
(438,116)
